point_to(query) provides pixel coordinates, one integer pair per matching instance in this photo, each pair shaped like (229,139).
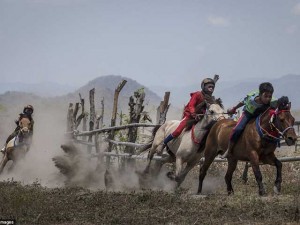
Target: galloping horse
(185,148)
(19,145)
(256,144)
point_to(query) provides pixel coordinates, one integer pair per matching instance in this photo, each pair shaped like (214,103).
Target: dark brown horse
(256,145)
(18,146)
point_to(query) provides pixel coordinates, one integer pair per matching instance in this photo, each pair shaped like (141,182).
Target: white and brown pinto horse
(18,146)
(186,148)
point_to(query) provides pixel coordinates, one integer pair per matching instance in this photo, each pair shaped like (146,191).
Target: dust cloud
(49,134)
(37,166)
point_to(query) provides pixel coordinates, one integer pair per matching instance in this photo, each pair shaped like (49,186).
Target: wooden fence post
(113,118)
(92,117)
(99,124)
(136,108)
(70,121)
(163,109)
(84,119)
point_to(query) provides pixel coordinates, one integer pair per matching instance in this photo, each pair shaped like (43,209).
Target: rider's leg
(13,134)
(236,133)
(168,138)
(177,132)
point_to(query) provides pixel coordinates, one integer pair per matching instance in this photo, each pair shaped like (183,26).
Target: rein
(203,114)
(263,133)
(276,112)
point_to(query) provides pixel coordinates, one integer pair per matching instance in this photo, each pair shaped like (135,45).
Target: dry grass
(34,204)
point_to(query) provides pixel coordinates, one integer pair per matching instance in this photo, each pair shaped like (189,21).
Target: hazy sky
(155,42)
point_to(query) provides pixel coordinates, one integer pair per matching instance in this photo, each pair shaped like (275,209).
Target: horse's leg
(209,158)
(232,163)
(3,162)
(254,160)
(245,172)
(190,165)
(179,163)
(160,163)
(278,165)
(273,161)
(151,153)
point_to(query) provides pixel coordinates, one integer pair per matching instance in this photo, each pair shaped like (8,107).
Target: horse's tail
(149,143)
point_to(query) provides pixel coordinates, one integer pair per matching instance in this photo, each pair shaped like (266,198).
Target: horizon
(67,84)
(156,42)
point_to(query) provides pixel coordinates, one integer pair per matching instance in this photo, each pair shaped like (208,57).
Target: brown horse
(256,144)
(18,146)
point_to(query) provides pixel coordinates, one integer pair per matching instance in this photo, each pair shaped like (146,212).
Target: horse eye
(211,112)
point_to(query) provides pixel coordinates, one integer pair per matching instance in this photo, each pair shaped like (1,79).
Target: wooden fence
(95,135)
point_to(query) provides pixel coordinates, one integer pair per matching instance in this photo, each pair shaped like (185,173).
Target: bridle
(273,114)
(209,114)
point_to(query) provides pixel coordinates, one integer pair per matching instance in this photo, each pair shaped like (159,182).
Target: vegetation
(34,204)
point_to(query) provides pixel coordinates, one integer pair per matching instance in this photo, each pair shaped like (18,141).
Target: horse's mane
(208,127)
(199,109)
(213,100)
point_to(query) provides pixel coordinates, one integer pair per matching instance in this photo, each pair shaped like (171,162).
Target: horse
(256,144)
(186,148)
(17,147)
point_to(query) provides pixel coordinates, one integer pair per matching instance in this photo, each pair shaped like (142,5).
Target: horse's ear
(206,104)
(283,103)
(219,102)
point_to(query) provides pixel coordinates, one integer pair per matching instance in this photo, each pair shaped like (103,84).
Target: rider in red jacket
(207,86)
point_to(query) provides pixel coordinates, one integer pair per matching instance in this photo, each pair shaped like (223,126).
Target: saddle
(13,142)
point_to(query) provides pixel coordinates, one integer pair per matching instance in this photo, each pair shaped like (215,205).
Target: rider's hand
(195,116)
(231,111)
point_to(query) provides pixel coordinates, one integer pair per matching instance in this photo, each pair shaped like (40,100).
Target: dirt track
(34,204)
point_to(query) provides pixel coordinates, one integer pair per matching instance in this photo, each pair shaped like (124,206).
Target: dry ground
(34,204)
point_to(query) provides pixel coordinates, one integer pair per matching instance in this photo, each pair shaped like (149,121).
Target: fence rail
(94,131)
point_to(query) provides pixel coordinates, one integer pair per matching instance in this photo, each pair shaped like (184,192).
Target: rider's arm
(234,108)
(240,104)
(196,98)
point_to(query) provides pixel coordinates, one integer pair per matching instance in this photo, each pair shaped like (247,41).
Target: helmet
(207,81)
(28,109)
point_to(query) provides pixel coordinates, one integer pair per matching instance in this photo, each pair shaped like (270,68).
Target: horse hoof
(276,190)
(262,193)
(230,192)
(245,179)
(144,172)
(177,179)
(170,175)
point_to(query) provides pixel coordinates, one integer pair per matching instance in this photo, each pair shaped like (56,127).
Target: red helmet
(207,81)
(28,109)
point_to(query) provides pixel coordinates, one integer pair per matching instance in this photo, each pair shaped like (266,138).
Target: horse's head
(25,126)
(215,110)
(283,121)
(207,113)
